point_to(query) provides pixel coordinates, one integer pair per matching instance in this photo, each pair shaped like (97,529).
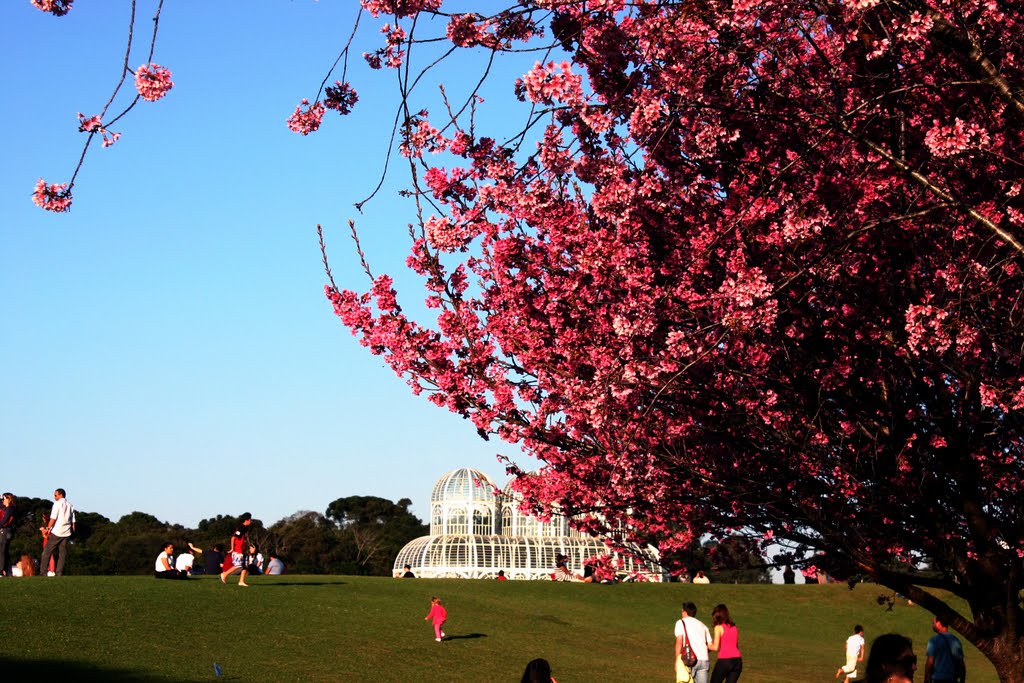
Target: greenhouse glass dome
(477,530)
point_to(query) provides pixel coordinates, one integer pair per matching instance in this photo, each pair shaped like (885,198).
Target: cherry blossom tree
(761,272)
(748,267)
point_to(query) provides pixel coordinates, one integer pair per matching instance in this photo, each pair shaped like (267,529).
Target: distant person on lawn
(437,615)
(407,573)
(275,566)
(44,530)
(726,642)
(692,630)
(854,654)
(185,560)
(213,559)
(255,560)
(239,546)
(58,531)
(6,532)
(26,566)
(945,656)
(163,568)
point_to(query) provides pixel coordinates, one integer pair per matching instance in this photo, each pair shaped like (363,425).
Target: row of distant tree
(358,535)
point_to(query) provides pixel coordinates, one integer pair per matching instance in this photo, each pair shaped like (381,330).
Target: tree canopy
(747,267)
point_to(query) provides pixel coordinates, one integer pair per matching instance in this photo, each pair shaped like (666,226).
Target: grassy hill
(340,628)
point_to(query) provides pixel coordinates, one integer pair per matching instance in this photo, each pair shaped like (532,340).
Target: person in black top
(6,532)
(213,559)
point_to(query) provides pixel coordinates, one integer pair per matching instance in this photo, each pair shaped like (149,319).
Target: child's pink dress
(438,615)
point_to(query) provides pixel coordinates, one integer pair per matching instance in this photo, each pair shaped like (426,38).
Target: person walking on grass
(438,615)
(58,531)
(690,630)
(239,546)
(854,654)
(945,656)
(726,643)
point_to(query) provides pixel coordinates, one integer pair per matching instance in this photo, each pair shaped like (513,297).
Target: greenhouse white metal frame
(477,531)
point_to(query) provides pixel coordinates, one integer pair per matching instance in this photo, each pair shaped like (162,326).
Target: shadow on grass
(554,620)
(53,669)
(466,636)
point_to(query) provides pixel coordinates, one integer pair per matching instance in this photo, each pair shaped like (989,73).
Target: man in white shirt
(61,526)
(854,654)
(690,629)
(184,561)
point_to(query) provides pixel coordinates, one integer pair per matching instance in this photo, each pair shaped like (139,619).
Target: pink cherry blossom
(58,8)
(55,197)
(152,81)
(93,125)
(306,122)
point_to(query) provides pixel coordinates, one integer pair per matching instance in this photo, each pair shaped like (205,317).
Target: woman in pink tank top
(727,643)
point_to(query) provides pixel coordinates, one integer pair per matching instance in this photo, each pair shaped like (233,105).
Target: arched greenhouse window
(482,522)
(506,521)
(457,522)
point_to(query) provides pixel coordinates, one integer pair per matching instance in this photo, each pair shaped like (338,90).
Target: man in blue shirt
(945,656)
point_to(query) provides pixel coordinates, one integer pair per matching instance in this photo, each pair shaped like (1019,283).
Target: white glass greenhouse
(476,531)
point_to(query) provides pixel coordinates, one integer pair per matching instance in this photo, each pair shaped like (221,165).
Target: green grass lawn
(341,628)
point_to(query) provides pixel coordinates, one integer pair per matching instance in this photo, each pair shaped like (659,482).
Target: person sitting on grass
(25,566)
(186,560)
(562,572)
(164,569)
(275,566)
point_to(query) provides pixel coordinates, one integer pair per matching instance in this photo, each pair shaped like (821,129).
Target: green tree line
(356,535)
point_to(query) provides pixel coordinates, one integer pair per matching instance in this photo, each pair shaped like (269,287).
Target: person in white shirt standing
(689,628)
(854,654)
(59,529)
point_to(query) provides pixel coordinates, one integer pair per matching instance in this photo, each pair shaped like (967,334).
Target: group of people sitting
(563,573)
(168,566)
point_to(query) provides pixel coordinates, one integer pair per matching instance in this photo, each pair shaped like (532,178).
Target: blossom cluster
(400,8)
(92,124)
(55,197)
(550,83)
(153,81)
(306,121)
(340,97)
(961,136)
(58,8)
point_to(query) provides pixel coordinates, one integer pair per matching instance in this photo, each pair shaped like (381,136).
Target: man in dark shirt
(213,559)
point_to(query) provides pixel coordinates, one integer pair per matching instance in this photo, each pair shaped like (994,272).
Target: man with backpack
(945,663)
(692,633)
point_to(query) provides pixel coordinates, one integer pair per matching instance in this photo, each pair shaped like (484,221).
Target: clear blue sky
(166,346)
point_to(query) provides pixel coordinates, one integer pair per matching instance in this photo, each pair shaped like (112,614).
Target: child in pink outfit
(438,614)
